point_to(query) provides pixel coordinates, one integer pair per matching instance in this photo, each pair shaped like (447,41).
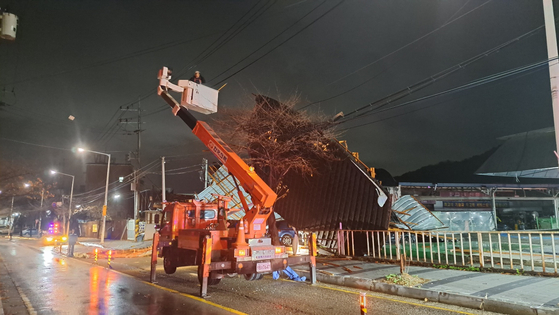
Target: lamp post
(39,227)
(106,191)
(11,229)
(67,226)
(11,219)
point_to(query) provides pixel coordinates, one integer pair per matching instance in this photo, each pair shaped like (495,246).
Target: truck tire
(254,276)
(168,265)
(287,240)
(210,280)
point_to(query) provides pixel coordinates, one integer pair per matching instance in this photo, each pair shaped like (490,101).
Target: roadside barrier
(517,251)
(363,303)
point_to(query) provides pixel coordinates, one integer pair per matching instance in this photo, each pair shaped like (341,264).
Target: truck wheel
(254,276)
(287,240)
(168,265)
(210,280)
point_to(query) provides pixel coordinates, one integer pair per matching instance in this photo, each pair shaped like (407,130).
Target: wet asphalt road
(50,284)
(73,286)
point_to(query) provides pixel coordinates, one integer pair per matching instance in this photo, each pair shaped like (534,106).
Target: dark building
(121,207)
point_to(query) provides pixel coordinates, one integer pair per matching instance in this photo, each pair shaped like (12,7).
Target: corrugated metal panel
(340,192)
(223,184)
(528,154)
(410,214)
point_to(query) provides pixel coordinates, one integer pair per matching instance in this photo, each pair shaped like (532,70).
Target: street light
(11,229)
(106,191)
(67,228)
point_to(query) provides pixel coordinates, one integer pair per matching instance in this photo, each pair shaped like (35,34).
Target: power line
(442,74)
(35,144)
(470,85)
(192,63)
(255,16)
(129,179)
(112,60)
(204,54)
(265,44)
(388,55)
(281,44)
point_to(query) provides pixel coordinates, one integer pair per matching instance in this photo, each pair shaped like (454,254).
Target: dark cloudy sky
(88,58)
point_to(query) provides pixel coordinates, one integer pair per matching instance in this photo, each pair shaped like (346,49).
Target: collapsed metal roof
(341,192)
(222,184)
(527,154)
(409,214)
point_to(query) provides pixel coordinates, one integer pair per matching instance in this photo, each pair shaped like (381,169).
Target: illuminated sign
(473,204)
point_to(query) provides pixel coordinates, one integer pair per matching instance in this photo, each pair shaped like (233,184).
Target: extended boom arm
(263,197)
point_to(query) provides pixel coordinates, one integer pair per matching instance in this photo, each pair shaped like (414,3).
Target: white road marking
(26,301)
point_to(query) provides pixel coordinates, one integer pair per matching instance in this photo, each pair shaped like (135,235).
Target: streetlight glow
(26,185)
(104,213)
(67,227)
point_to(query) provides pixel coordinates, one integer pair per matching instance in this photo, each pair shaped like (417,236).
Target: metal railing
(520,251)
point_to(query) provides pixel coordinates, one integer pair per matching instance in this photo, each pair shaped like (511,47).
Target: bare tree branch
(280,140)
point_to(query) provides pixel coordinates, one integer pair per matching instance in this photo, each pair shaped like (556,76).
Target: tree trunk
(273,229)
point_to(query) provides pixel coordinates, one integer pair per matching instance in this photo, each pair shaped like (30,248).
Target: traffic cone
(241,241)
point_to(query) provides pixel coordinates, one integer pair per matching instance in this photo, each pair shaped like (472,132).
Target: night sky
(88,58)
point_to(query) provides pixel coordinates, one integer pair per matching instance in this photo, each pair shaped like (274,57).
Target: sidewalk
(114,244)
(510,294)
(85,248)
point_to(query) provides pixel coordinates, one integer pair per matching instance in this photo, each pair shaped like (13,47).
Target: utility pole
(163,192)
(136,184)
(10,230)
(39,228)
(551,38)
(136,205)
(205,162)
(138,131)
(70,207)
(136,192)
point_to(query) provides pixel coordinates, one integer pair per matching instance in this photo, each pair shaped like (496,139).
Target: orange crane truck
(198,233)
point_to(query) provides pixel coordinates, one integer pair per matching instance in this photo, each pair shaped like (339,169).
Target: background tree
(280,140)
(14,176)
(23,183)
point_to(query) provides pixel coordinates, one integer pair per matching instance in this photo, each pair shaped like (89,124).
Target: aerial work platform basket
(196,97)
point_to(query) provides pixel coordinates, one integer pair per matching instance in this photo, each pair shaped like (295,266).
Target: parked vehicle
(4,229)
(286,232)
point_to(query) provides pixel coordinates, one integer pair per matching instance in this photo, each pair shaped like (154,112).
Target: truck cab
(187,215)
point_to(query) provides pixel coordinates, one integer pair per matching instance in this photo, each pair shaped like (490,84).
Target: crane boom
(263,197)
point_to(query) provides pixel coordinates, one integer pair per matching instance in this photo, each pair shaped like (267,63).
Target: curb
(434,296)
(1,308)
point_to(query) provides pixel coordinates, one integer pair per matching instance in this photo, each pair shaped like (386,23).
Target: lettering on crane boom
(217,152)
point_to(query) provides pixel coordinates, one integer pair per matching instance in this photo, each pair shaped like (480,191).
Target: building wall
(96,175)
